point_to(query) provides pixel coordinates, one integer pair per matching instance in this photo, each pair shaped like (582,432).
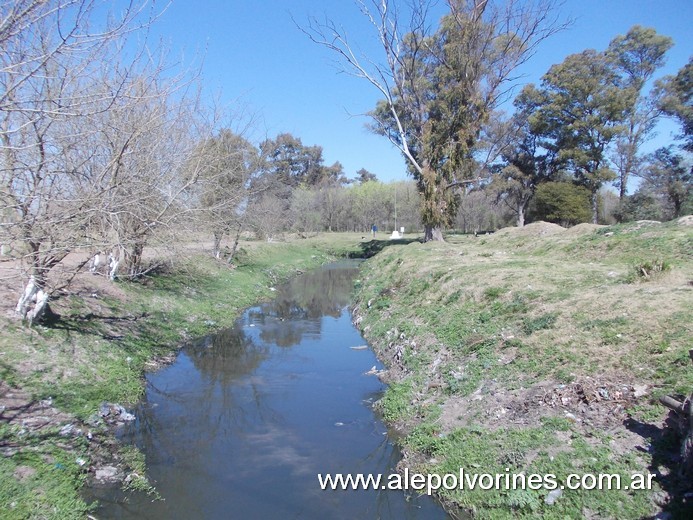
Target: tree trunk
(217,245)
(34,292)
(521,214)
(433,233)
(234,247)
(135,260)
(595,208)
(678,203)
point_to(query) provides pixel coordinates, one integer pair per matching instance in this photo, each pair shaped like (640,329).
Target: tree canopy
(439,87)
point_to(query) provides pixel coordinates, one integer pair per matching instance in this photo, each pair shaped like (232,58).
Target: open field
(538,350)
(54,377)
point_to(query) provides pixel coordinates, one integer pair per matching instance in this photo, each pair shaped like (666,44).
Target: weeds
(500,329)
(648,270)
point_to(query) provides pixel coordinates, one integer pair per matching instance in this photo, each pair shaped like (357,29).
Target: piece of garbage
(553,495)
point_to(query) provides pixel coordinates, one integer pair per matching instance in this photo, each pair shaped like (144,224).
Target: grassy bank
(538,351)
(97,348)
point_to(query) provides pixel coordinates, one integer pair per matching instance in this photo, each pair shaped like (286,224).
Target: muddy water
(243,422)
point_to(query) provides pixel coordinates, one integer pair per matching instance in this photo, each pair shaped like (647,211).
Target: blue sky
(255,56)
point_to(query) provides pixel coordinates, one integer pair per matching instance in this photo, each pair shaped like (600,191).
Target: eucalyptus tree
(524,164)
(440,86)
(670,177)
(290,163)
(364,175)
(636,56)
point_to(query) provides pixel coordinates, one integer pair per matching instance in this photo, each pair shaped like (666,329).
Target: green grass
(42,480)
(532,451)
(499,318)
(99,349)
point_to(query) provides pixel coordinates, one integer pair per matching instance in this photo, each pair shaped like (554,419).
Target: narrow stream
(242,423)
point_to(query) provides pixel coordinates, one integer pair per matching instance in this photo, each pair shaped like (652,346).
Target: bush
(562,203)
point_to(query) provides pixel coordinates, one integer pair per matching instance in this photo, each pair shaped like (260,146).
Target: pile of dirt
(535,229)
(587,402)
(583,229)
(685,221)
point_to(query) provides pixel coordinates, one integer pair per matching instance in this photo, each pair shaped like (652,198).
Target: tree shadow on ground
(373,247)
(665,448)
(109,328)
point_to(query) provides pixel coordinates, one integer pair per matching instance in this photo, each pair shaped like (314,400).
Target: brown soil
(685,221)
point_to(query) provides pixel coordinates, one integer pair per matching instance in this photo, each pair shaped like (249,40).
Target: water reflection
(241,424)
(301,304)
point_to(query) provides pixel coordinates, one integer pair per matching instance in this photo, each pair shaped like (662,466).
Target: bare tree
(439,87)
(90,144)
(226,165)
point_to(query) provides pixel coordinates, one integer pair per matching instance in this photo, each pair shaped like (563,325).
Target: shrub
(562,203)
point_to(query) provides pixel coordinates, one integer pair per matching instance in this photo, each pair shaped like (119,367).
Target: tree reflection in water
(301,304)
(240,425)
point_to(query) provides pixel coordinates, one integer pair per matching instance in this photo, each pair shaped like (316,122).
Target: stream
(245,419)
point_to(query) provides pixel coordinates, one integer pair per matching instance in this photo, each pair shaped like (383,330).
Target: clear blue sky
(254,53)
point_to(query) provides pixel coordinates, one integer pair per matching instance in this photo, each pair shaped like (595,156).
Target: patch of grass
(137,480)
(545,321)
(647,270)
(99,349)
(493,293)
(395,404)
(552,311)
(39,482)
(505,455)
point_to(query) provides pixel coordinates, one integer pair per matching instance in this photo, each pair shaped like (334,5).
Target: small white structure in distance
(395,235)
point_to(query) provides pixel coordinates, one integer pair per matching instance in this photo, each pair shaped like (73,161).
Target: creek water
(244,421)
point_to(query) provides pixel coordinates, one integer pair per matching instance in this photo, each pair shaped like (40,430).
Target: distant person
(374,230)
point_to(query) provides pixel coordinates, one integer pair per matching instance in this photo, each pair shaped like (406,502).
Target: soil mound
(685,221)
(535,229)
(582,229)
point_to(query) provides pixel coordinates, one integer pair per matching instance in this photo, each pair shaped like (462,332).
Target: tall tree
(524,163)
(440,87)
(669,176)
(225,165)
(636,56)
(580,110)
(677,100)
(364,175)
(286,159)
(331,175)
